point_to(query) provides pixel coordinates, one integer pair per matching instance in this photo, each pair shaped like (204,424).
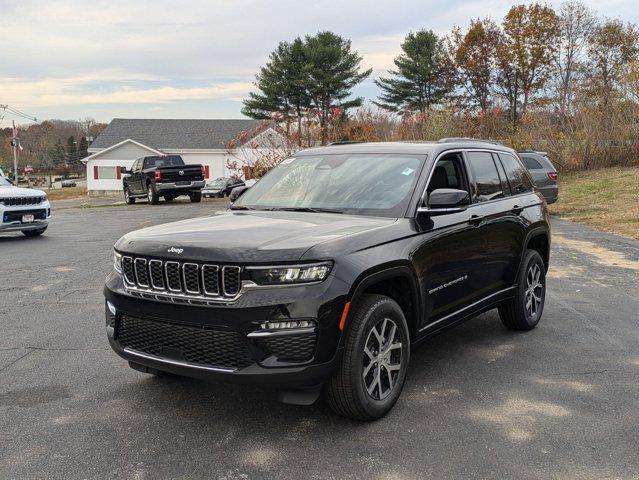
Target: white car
(23,209)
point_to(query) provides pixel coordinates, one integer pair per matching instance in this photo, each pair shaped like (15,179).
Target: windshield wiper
(309,209)
(239,207)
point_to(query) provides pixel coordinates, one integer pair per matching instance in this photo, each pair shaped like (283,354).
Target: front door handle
(517,209)
(476,219)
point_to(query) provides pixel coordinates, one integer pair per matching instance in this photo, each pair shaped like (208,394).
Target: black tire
(346,392)
(34,233)
(517,313)
(196,197)
(127,196)
(152,195)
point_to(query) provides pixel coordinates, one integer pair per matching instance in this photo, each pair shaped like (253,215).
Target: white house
(197,141)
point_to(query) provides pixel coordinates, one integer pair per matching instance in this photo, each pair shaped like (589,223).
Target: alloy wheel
(382,359)
(149,193)
(534,290)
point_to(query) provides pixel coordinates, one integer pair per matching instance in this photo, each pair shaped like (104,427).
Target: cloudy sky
(197,58)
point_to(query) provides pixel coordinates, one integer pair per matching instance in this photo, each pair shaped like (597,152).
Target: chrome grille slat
(181,282)
(141,272)
(191,277)
(173,276)
(231,282)
(156,271)
(210,279)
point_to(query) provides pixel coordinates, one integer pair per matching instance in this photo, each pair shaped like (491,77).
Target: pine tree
(421,78)
(332,71)
(281,85)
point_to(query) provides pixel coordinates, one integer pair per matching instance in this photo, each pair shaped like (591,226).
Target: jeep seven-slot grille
(183,278)
(20,201)
(193,344)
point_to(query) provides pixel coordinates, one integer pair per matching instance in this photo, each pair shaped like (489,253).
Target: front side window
(487,181)
(361,184)
(448,173)
(4,182)
(516,173)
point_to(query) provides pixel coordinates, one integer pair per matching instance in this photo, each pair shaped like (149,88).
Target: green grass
(606,199)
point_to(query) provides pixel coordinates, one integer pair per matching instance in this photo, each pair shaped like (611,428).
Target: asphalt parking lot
(561,401)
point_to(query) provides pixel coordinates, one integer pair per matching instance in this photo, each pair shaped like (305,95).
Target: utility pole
(14,143)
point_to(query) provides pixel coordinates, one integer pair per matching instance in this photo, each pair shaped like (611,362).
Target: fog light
(287,325)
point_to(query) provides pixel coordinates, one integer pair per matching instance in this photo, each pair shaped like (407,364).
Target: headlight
(286,275)
(117,261)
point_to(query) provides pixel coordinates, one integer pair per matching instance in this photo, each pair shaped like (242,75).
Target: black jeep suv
(332,267)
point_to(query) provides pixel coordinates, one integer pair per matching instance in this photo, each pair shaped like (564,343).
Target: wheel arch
(537,239)
(397,282)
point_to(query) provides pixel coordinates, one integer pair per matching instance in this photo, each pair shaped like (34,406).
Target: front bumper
(174,186)
(11,217)
(211,193)
(225,342)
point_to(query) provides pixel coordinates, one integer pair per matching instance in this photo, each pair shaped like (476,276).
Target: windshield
(218,182)
(364,184)
(159,162)
(4,182)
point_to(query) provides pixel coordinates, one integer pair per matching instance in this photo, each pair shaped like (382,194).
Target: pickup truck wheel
(196,197)
(373,365)
(524,310)
(127,196)
(152,195)
(33,233)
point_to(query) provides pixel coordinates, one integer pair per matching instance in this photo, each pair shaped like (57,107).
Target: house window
(107,173)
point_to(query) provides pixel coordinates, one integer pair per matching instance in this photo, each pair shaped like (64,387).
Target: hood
(246,236)
(11,191)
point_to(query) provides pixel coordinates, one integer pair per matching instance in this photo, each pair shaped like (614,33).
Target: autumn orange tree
(527,53)
(475,55)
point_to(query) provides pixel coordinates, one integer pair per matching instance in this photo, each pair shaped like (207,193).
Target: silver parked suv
(543,173)
(23,209)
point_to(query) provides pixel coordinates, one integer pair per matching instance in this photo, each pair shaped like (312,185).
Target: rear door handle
(517,209)
(476,219)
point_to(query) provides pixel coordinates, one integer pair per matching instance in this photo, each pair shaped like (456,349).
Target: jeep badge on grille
(175,250)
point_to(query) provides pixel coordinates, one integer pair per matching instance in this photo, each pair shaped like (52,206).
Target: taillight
(158,175)
(203,172)
(552,176)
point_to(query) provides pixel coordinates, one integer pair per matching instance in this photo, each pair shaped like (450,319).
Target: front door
(450,254)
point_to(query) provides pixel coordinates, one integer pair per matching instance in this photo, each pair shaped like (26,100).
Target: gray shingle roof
(173,134)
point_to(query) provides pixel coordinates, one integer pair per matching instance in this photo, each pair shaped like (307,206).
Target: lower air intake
(202,346)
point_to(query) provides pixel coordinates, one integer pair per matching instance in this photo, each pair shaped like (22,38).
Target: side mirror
(237,192)
(447,200)
(124,170)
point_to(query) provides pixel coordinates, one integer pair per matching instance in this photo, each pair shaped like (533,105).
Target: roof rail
(467,139)
(344,142)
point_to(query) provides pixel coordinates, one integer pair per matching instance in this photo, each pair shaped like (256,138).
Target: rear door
(502,228)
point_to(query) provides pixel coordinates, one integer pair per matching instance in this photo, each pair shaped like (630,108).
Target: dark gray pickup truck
(162,176)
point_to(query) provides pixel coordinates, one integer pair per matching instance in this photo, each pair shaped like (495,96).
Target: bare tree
(576,22)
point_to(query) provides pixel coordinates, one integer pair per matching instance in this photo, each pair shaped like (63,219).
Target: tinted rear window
(486,176)
(516,173)
(159,162)
(531,163)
